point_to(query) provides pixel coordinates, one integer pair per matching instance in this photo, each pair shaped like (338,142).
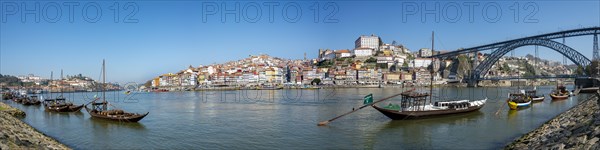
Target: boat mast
(51,74)
(61,83)
(432,70)
(103,83)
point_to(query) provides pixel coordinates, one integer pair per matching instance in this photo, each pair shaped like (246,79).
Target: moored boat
(7,96)
(518,100)
(100,109)
(560,93)
(60,103)
(32,100)
(413,106)
(532,94)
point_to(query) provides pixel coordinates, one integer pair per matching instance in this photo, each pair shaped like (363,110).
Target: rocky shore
(577,128)
(15,134)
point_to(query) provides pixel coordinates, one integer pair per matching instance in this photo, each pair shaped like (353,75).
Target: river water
(287,119)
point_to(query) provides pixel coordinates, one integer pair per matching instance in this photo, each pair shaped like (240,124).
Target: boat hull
(132,118)
(557,97)
(514,105)
(538,99)
(403,115)
(57,108)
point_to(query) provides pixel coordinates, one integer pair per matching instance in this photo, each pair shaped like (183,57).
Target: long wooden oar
(323,123)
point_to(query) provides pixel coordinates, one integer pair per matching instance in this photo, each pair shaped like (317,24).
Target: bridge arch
(482,69)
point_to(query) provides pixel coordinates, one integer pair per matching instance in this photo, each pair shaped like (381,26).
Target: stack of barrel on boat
(112,112)
(453,105)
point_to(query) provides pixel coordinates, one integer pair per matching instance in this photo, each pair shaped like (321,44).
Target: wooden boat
(532,94)
(413,106)
(18,99)
(33,100)
(518,100)
(100,109)
(7,96)
(560,93)
(61,105)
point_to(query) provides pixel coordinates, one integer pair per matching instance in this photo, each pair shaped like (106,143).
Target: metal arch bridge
(533,77)
(546,40)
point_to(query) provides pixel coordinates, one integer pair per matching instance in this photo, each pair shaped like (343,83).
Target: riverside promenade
(16,134)
(578,128)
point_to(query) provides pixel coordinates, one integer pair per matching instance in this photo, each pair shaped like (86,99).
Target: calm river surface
(287,119)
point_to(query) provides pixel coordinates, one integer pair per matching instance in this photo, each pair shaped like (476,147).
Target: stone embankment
(15,134)
(577,128)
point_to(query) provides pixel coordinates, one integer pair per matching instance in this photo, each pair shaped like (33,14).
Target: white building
(421,62)
(425,52)
(329,56)
(343,53)
(363,52)
(30,78)
(364,41)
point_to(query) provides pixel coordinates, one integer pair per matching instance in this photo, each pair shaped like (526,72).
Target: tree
(579,70)
(148,83)
(382,66)
(10,80)
(315,81)
(371,60)
(592,69)
(505,67)
(410,57)
(349,60)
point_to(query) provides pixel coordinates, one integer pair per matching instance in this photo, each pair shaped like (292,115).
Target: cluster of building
(370,62)
(37,80)
(69,84)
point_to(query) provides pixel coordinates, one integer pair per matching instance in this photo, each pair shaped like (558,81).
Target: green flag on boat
(368,99)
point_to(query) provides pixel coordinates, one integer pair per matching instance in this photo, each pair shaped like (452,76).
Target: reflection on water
(263,119)
(105,124)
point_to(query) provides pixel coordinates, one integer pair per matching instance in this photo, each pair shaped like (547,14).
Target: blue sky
(167,36)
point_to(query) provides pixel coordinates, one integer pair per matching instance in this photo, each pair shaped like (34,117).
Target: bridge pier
(472,83)
(587,82)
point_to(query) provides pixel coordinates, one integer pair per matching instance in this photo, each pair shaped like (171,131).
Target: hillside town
(371,63)
(35,84)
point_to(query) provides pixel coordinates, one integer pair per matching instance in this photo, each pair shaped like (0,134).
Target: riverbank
(577,128)
(16,134)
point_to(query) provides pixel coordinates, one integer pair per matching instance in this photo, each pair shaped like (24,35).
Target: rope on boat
(499,109)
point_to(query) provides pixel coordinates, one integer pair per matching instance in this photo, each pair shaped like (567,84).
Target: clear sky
(140,40)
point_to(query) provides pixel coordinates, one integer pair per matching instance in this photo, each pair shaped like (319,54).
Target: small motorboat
(532,94)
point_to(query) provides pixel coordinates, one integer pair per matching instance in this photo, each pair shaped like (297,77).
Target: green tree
(505,67)
(529,70)
(349,60)
(148,83)
(371,60)
(315,81)
(579,70)
(592,69)
(410,57)
(382,66)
